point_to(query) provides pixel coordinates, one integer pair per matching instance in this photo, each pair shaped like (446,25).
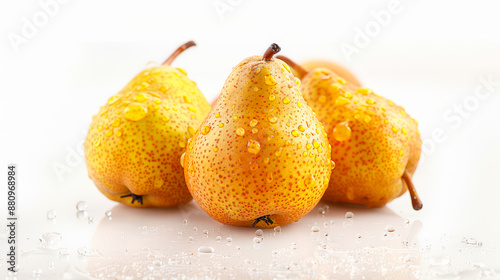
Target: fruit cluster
(280,137)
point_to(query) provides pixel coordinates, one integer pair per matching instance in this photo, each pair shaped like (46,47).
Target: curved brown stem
(271,51)
(178,51)
(300,70)
(415,199)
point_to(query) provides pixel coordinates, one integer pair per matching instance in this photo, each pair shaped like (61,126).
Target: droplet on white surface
(195,229)
(185,222)
(50,240)
(257,240)
(206,250)
(82,215)
(259,232)
(349,215)
(315,228)
(218,238)
(50,265)
(52,214)
(37,272)
(190,238)
(82,206)
(277,229)
(390,228)
(205,232)
(108,213)
(321,210)
(229,239)
(63,251)
(91,220)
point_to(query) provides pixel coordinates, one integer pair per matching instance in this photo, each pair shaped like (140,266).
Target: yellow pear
(135,141)
(260,158)
(375,143)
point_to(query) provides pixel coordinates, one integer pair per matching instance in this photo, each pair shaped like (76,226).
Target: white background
(429,57)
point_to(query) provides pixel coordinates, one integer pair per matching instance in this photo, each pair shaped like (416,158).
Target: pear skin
(260,158)
(135,141)
(375,143)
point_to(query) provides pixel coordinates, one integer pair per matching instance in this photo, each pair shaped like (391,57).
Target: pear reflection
(185,242)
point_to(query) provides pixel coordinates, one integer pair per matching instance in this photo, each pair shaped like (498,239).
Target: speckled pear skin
(250,159)
(136,140)
(384,140)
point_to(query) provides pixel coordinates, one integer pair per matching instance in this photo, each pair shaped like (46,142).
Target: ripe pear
(375,143)
(135,141)
(309,65)
(260,158)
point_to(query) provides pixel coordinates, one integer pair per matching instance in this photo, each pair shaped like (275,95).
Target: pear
(375,143)
(135,141)
(260,158)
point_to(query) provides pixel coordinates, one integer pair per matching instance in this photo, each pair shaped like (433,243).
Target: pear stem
(178,51)
(415,199)
(271,51)
(300,70)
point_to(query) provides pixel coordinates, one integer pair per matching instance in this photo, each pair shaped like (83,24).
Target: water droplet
(253,146)
(359,236)
(50,240)
(206,250)
(273,119)
(364,91)
(269,177)
(97,142)
(164,88)
(191,130)
(278,151)
(205,130)
(182,143)
(349,215)
(257,70)
(297,81)
(295,133)
(259,232)
(91,220)
(240,131)
(82,206)
(395,129)
(316,144)
(185,222)
(190,238)
(135,112)
(116,122)
(229,239)
(299,104)
(113,99)
(370,101)
(50,265)
(108,213)
(315,228)
(52,214)
(255,88)
(309,180)
(342,132)
(253,122)
(367,119)
(270,81)
(272,97)
(301,128)
(182,159)
(341,101)
(37,272)
(321,210)
(140,98)
(390,228)
(192,109)
(277,229)
(205,232)
(257,240)
(195,229)
(286,100)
